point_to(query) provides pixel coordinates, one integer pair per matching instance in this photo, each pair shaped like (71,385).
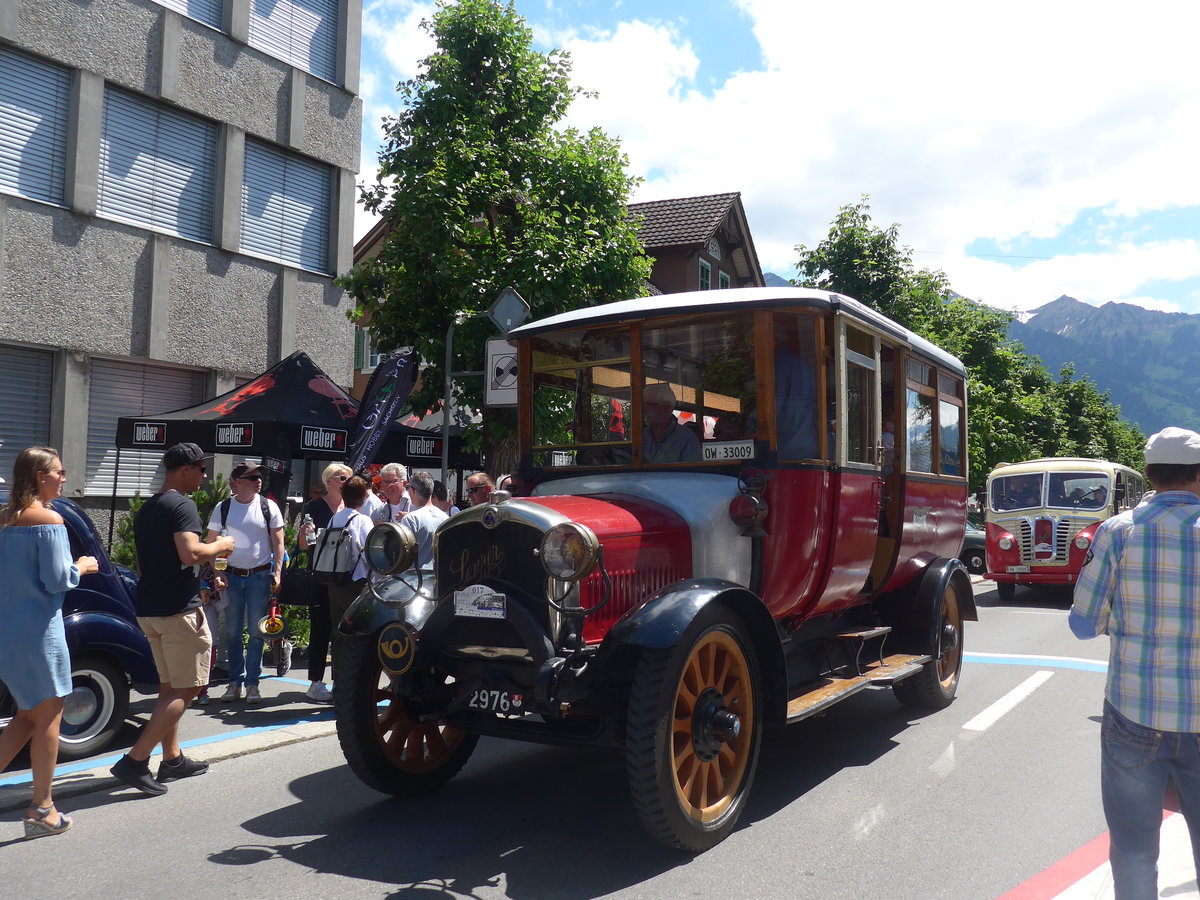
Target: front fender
(117,638)
(402,598)
(660,621)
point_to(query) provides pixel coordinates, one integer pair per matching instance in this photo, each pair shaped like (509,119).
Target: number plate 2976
(496,701)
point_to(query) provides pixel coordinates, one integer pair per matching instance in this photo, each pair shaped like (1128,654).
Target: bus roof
(731,300)
(1057,464)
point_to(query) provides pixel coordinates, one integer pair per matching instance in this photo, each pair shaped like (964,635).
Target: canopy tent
(291,411)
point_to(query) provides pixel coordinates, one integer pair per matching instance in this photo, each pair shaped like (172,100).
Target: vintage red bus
(734,508)
(1042,514)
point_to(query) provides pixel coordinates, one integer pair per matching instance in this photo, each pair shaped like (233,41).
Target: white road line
(993,713)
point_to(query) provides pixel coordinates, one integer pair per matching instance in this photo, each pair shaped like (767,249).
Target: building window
(705,275)
(366,356)
(119,388)
(206,11)
(723,279)
(34,98)
(285,207)
(157,167)
(301,32)
(26,377)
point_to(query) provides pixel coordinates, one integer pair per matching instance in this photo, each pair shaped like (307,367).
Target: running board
(823,694)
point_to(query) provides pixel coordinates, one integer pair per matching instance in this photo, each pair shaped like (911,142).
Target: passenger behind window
(664,440)
(795,399)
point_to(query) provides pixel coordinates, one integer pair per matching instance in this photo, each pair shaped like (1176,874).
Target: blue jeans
(1136,762)
(249,597)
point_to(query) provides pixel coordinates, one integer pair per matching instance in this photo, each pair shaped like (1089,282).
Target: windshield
(1078,490)
(1017,491)
(696,397)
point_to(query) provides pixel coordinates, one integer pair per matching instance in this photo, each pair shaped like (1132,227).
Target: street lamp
(507,312)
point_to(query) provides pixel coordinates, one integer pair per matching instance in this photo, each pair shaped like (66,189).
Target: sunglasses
(251,478)
(476,489)
(61,473)
(203,468)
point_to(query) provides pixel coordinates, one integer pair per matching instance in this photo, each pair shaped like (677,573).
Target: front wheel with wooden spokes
(935,685)
(385,747)
(693,732)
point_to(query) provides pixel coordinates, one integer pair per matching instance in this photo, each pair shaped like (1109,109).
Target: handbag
(296,585)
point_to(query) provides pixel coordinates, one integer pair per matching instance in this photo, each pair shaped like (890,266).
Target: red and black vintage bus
(733,508)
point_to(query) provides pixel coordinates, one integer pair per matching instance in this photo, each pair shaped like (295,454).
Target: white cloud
(963,122)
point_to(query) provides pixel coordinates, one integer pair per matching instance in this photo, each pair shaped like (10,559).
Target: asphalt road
(867,800)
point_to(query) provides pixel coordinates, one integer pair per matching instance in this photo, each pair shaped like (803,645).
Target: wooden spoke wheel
(693,732)
(385,747)
(935,685)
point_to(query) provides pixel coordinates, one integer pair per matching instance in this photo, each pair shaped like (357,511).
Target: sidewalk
(210,733)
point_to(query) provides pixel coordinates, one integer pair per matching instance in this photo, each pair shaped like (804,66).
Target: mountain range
(1147,361)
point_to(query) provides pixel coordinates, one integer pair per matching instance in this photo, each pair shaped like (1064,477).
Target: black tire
(935,685)
(975,562)
(384,747)
(94,711)
(713,668)
(1006,591)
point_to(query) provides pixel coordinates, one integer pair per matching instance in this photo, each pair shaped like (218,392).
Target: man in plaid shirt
(1141,587)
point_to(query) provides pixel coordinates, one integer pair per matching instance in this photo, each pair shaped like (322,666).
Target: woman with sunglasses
(35,664)
(322,509)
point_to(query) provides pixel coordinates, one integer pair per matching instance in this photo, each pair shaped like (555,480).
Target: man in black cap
(166,532)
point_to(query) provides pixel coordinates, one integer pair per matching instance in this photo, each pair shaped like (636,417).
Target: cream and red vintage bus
(1042,514)
(733,508)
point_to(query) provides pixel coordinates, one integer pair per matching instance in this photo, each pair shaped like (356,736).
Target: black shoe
(137,774)
(180,768)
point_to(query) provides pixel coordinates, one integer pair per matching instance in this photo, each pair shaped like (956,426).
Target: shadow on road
(527,821)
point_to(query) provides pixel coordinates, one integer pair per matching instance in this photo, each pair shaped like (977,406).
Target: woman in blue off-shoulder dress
(35,557)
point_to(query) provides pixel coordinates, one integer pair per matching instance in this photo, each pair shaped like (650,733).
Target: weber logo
(235,435)
(423,446)
(323,439)
(154,433)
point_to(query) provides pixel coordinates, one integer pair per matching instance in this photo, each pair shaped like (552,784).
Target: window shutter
(34,98)
(157,167)
(206,11)
(285,207)
(301,32)
(26,377)
(131,389)
(360,348)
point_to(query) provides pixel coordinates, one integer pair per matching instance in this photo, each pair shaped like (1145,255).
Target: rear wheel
(935,685)
(1006,590)
(693,732)
(385,747)
(94,711)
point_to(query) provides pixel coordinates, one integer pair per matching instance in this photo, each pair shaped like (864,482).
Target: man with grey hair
(397,503)
(664,440)
(425,517)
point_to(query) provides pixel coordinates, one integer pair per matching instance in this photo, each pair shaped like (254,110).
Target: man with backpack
(254,568)
(338,558)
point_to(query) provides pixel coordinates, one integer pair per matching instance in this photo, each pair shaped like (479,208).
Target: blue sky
(1028,149)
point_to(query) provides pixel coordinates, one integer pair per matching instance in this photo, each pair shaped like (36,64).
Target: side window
(795,372)
(705,275)
(935,420)
(861,393)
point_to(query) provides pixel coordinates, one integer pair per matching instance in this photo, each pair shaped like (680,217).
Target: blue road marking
(1042,662)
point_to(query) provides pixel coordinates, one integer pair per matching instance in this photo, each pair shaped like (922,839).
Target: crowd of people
(194,582)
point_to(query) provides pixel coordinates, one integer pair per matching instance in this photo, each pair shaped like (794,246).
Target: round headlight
(569,551)
(1082,541)
(391,548)
(1005,543)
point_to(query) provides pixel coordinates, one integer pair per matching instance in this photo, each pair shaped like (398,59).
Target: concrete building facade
(176,195)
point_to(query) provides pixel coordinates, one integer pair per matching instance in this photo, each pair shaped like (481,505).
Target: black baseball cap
(185,454)
(241,470)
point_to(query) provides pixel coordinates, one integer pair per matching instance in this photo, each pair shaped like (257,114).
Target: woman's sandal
(37,826)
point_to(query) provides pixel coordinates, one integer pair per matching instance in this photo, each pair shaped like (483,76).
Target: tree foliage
(1016,408)
(481,191)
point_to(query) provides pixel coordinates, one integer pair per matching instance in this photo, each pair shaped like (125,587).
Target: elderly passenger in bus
(664,440)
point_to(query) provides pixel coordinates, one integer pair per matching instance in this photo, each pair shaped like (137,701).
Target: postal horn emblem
(397,648)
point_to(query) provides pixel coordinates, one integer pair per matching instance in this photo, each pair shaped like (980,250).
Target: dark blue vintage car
(109,653)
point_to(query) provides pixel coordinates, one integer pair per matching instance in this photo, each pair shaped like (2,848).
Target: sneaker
(318,693)
(283,658)
(202,700)
(137,774)
(252,694)
(232,692)
(181,767)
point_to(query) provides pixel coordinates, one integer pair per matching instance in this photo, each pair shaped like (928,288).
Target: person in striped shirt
(1141,587)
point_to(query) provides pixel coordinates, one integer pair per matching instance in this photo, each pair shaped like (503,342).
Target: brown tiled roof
(686,220)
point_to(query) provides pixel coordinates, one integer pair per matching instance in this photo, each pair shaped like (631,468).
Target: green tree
(1016,409)
(482,191)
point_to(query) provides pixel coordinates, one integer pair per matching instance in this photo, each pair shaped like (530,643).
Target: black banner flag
(391,383)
